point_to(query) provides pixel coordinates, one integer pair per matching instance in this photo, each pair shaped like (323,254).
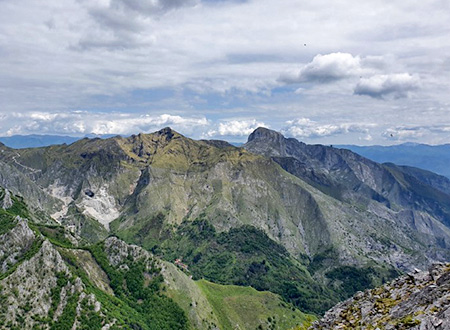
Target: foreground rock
(416,301)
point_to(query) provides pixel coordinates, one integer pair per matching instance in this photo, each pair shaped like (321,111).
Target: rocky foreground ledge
(415,301)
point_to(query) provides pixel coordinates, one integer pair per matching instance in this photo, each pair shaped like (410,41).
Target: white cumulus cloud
(235,128)
(306,128)
(326,68)
(81,122)
(394,85)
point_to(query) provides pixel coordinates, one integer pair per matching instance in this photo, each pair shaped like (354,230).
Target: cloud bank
(81,123)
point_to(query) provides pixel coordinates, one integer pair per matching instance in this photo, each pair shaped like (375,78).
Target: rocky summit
(159,231)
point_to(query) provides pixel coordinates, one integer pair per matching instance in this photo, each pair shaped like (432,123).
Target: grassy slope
(187,294)
(251,309)
(209,305)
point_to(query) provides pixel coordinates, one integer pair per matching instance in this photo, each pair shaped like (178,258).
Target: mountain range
(433,158)
(312,224)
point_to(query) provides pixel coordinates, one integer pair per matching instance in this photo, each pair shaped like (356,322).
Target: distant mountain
(432,158)
(36,140)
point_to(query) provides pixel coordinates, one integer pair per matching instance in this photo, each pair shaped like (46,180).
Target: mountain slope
(434,180)
(135,179)
(374,202)
(351,176)
(355,180)
(47,282)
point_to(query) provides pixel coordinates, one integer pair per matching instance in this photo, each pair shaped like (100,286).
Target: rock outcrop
(14,243)
(420,301)
(42,291)
(7,201)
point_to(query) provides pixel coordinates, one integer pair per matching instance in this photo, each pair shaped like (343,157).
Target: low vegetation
(245,256)
(155,309)
(251,308)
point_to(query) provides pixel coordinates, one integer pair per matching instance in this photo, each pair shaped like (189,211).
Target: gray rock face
(40,289)
(15,243)
(273,142)
(7,201)
(418,301)
(120,253)
(22,182)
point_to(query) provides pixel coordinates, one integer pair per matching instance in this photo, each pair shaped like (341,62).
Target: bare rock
(7,201)
(418,301)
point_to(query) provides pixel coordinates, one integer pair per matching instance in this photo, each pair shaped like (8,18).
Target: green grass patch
(55,234)
(250,308)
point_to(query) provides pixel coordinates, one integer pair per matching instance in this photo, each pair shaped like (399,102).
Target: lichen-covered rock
(420,301)
(14,243)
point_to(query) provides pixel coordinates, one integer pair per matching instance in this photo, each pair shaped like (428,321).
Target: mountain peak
(165,134)
(263,133)
(266,141)
(168,132)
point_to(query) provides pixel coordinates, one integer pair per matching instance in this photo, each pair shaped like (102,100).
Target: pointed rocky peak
(265,134)
(267,142)
(167,132)
(164,135)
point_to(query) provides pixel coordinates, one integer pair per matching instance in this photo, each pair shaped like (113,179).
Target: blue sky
(333,72)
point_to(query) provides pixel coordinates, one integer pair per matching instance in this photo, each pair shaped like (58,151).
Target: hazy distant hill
(36,140)
(431,158)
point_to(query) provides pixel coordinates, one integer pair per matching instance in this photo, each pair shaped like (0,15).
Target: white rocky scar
(101,206)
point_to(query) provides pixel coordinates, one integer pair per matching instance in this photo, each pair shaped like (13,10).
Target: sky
(332,72)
